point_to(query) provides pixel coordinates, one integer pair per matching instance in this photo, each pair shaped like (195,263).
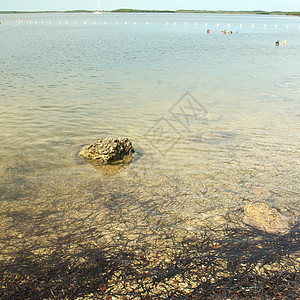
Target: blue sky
(268,5)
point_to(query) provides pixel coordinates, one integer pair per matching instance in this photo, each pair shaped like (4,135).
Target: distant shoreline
(127,10)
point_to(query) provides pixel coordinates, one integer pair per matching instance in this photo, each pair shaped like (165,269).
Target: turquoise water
(214,119)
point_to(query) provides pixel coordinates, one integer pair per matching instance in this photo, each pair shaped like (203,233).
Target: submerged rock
(261,192)
(109,151)
(215,136)
(264,217)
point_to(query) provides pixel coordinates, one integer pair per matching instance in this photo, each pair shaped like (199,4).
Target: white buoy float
(175,24)
(185,24)
(252,25)
(205,24)
(195,24)
(241,25)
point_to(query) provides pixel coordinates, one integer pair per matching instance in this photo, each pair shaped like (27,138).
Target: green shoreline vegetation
(257,12)
(128,10)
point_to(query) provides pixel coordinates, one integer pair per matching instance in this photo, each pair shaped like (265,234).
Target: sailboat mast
(99,10)
(98,5)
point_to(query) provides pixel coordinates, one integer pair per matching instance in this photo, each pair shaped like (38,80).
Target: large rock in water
(264,217)
(108,151)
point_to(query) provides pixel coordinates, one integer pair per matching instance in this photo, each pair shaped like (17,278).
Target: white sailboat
(99,10)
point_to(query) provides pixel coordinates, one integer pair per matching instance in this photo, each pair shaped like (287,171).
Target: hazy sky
(268,5)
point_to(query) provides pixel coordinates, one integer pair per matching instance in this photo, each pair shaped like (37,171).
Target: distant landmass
(257,12)
(129,10)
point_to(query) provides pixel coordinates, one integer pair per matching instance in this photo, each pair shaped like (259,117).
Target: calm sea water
(214,119)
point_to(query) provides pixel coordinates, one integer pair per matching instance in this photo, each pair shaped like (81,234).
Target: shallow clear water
(214,119)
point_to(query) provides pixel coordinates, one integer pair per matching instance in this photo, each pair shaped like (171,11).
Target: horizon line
(133,10)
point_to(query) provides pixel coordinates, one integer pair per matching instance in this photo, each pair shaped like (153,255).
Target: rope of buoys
(19,21)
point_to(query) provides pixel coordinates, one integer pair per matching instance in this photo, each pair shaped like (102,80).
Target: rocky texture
(108,151)
(264,217)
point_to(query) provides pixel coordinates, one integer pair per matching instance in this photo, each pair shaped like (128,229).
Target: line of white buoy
(147,23)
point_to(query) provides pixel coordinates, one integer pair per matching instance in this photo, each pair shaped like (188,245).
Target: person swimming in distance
(277,43)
